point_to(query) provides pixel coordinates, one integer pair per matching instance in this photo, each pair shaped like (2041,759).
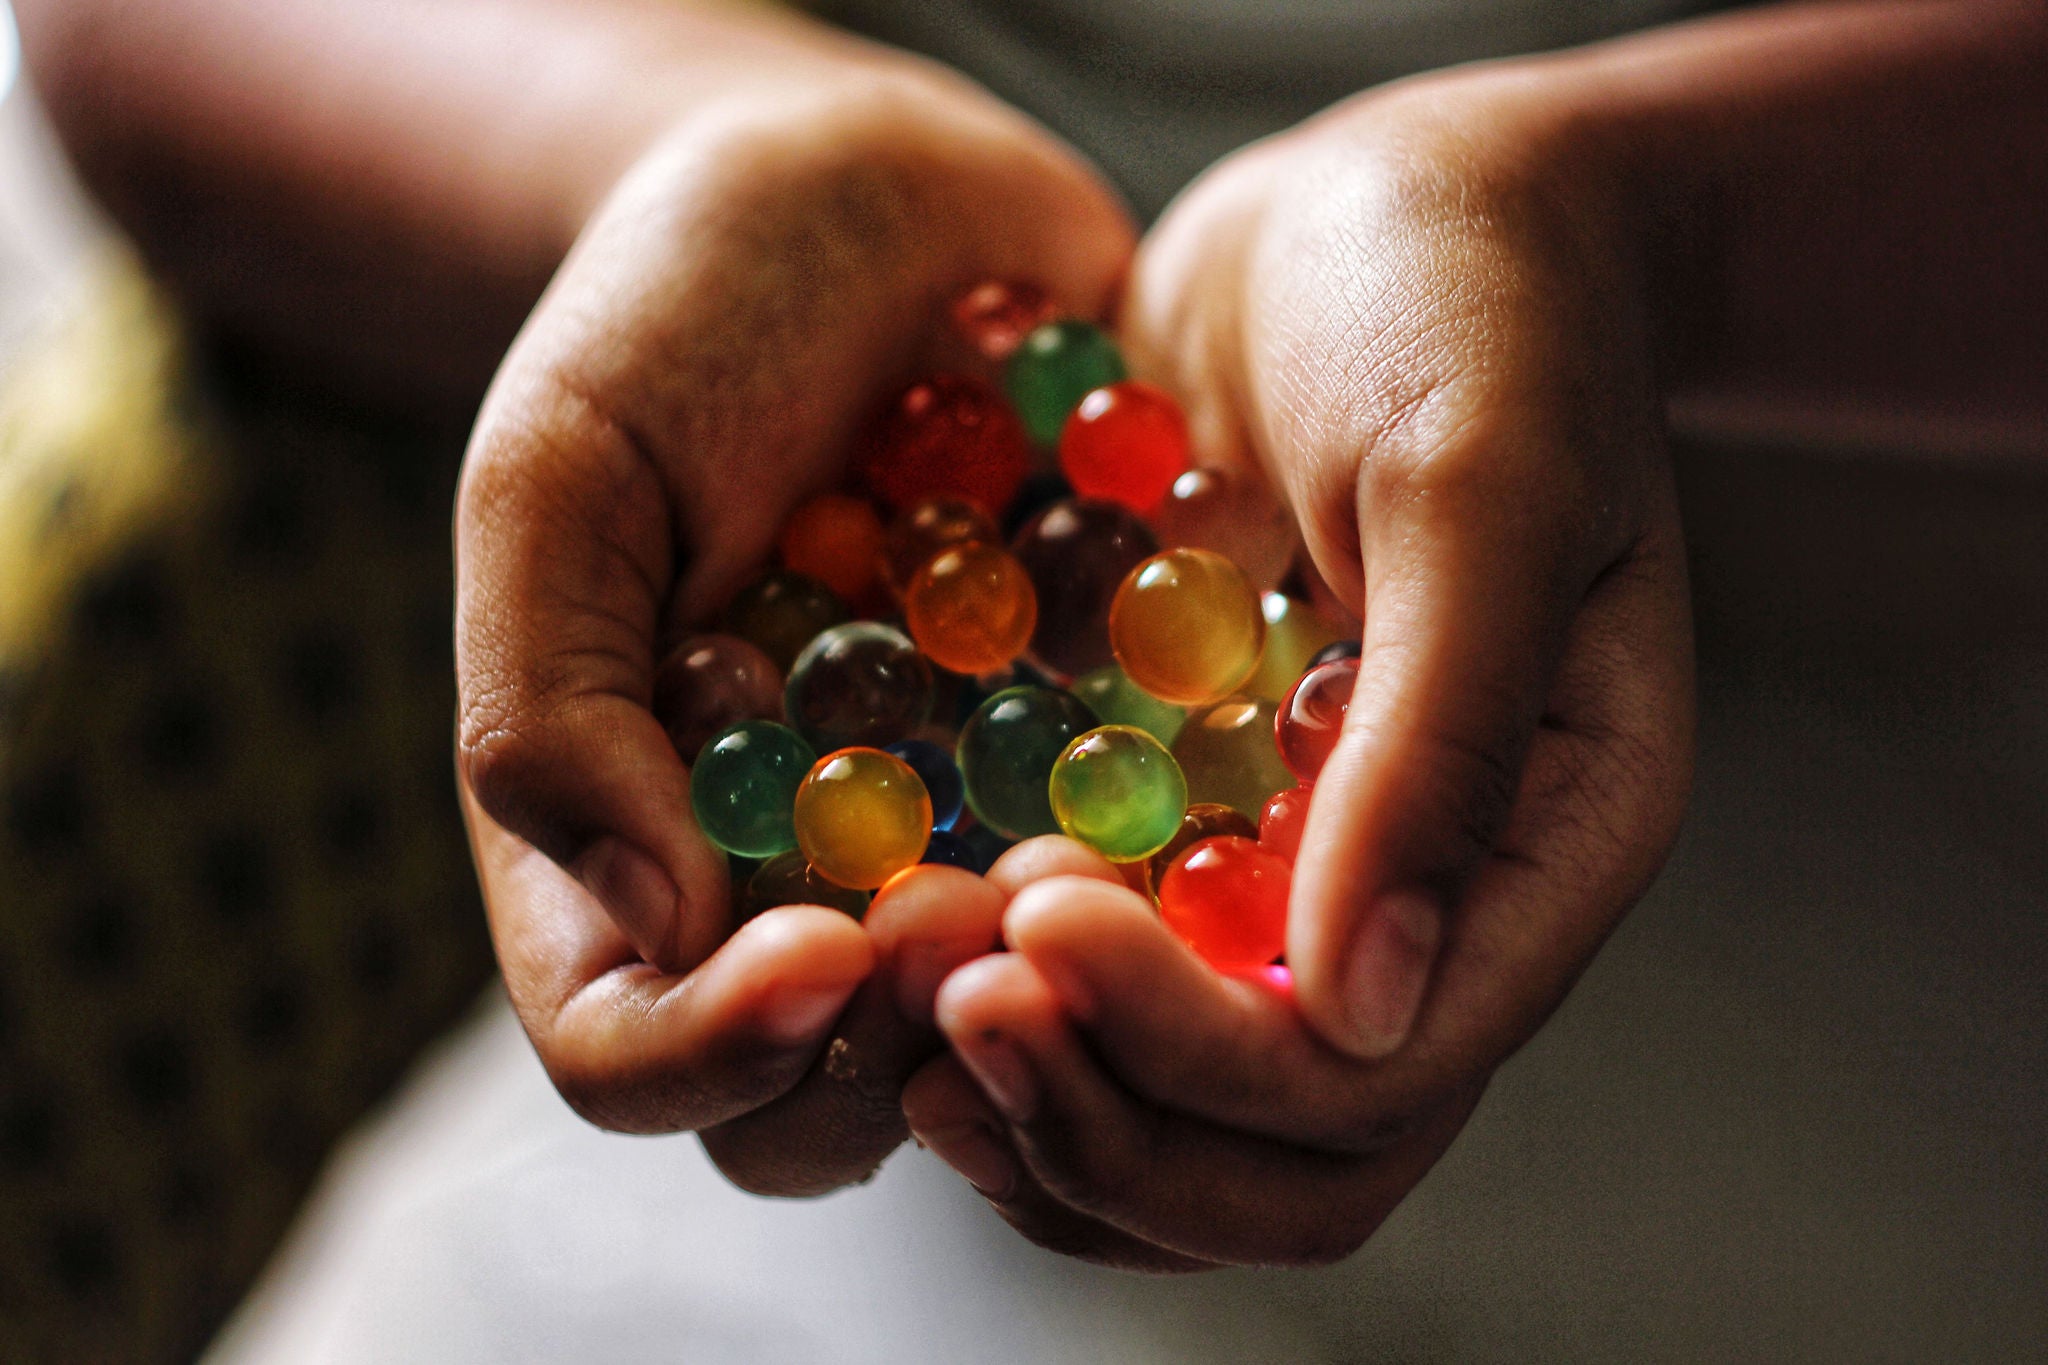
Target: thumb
(1479,544)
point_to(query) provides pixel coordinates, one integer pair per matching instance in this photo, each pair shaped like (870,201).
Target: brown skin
(752,290)
(1447,318)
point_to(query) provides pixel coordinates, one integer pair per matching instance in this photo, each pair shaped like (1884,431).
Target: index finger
(1233,1050)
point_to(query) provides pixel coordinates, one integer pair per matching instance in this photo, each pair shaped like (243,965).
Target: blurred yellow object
(234,894)
(93,444)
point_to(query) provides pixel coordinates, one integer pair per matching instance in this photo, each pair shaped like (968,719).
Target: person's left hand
(1427,315)
(1117,1100)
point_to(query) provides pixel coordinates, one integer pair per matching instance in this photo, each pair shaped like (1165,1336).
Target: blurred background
(1792,1112)
(233,892)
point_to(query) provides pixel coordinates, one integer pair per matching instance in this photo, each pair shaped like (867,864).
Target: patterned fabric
(234,894)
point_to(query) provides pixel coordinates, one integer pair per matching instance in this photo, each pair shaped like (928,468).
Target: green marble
(743,787)
(1053,369)
(1118,791)
(1112,695)
(1006,754)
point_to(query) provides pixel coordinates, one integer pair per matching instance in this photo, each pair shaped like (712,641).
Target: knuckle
(1100,1174)
(603,1098)
(561,485)
(775,1168)
(1476,789)
(493,751)
(1418,445)
(646,1098)
(1458,450)
(1469,353)
(1060,1232)
(502,758)
(1466,779)
(519,742)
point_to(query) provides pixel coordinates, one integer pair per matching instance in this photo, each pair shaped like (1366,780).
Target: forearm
(1845,209)
(382,187)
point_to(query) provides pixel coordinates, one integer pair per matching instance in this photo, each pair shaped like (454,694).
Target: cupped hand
(1423,315)
(1119,1101)
(752,290)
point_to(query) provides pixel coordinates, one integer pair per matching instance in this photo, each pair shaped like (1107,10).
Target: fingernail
(798,1015)
(1000,1067)
(1391,955)
(978,1155)
(919,968)
(632,887)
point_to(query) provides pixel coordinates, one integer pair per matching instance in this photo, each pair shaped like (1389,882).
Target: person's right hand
(754,288)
